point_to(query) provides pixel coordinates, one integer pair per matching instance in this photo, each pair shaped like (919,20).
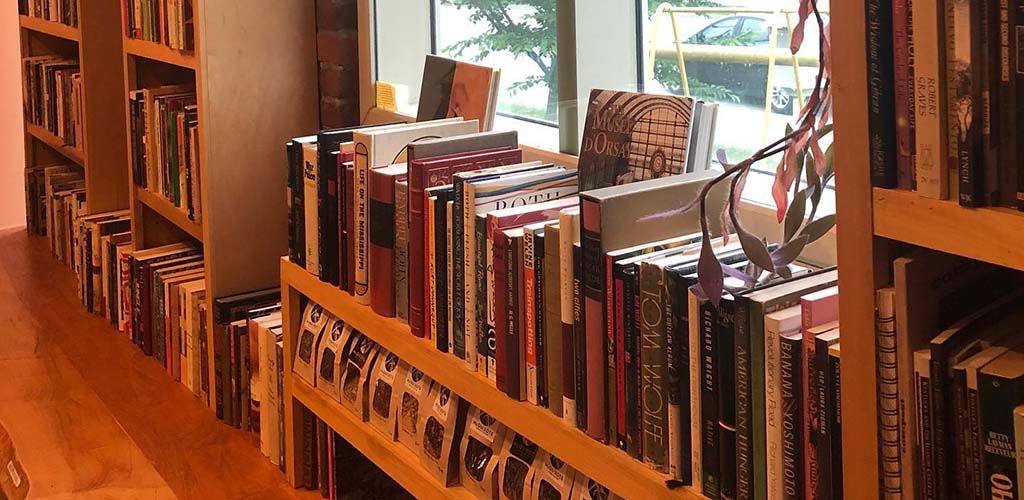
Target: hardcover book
(569,237)
(382,237)
(1001,385)
(552,311)
(458,89)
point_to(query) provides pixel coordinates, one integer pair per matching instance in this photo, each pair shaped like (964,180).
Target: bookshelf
(617,470)
(103,158)
(254,71)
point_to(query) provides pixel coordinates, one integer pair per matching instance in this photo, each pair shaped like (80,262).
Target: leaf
(795,215)
(755,250)
(784,271)
(815,230)
(709,273)
(788,253)
(830,167)
(734,273)
(721,157)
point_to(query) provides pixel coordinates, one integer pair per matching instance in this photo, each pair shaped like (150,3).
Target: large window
(733,52)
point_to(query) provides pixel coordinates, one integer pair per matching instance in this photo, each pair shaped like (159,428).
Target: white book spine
(309,160)
(888,394)
(930,162)
(362,172)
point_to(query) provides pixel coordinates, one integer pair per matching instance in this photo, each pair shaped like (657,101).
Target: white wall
(12,136)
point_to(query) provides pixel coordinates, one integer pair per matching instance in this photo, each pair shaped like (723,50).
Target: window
(553,52)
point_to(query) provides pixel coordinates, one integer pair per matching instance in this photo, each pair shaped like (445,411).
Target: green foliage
(666,73)
(652,6)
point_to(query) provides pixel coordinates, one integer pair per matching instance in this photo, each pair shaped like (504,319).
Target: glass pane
(401,41)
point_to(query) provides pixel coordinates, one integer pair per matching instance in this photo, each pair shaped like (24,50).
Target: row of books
(943,98)
(950,379)
(52,96)
(167,22)
(102,241)
(165,145)
(55,198)
(456,443)
(60,11)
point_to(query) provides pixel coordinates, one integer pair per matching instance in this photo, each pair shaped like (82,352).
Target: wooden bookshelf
(51,28)
(167,210)
(97,47)
(616,470)
(161,53)
(391,456)
(72,153)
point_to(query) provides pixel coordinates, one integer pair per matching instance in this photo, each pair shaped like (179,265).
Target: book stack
(455,442)
(167,22)
(53,96)
(57,199)
(165,145)
(943,93)
(102,241)
(950,369)
(58,11)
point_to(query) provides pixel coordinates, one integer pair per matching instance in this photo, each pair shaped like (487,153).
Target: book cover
(552,315)
(439,172)
(632,137)
(458,89)
(382,237)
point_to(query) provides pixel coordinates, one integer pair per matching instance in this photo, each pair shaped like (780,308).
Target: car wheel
(782,101)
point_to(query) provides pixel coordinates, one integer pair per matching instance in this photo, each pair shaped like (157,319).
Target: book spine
(519,312)
(417,246)
(401,262)
(925,436)
(579,353)
(552,305)
(311,218)
(431,239)
(309,449)
(709,400)
(977,472)
(790,350)
(744,411)
(539,326)
(998,398)
(677,330)
(343,199)
(530,320)
(810,409)
(961,431)
(323,464)
(1016,46)
(501,306)
(988,80)
(881,90)
(478,328)
(825,431)
(447,319)
(835,415)
(725,360)
(594,337)
(611,347)
(350,229)
(565,282)
(941,424)
(513,362)
(902,94)
(1006,117)
(773,410)
(361,198)
(887,390)
(930,128)
(382,244)
(653,359)
(463,213)
(621,406)
(440,269)
(963,110)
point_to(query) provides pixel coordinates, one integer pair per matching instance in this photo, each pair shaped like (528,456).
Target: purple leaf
(732,272)
(709,273)
(720,154)
(784,271)
(789,252)
(795,215)
(755,250)
(815,230)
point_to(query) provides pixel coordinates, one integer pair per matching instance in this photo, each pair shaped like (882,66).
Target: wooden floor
(91,417)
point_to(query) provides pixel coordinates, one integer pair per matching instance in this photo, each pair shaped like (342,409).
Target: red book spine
(901,65)
(382,243)
(501,306)
(417,254)
(350,217)
(594,318)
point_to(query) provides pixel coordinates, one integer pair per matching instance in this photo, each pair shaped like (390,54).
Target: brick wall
(337,48)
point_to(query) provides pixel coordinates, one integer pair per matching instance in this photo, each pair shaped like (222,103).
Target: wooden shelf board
(51,28)
(617,470)
(167,210)
(161,53)
(391,456)
(985,234)
(72,153)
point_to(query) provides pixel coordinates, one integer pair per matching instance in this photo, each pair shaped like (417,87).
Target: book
(892,441)
(791,381)
(632,137)
(382,237)
(552,315)
(401,260)
(817,309)
(882,93)
(509,352)
(776,325)
(964,103)
(834,424)
(385,146)
(617,217)
(903,83)
(569,236)
(1000,392)
(311,215)
(930,129)
(497,148)
(823,394)
(453,88)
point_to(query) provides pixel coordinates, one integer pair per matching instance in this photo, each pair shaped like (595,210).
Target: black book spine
(485,330)
(941,424)
(441,271)
(631,324)
(299,206)
(579,351)
(1016,51)
(323,481)
(539,334)
(677,329)
(726,374)
(790,363)
(961,431)
(977,472)
(926,457)
(881,92)
(964,80)
(835,411)
(309,450)
(709,401)
(825,431)
(327,227)
(512,361)
(999,397)
(1007,114)
(290,154)
(654,359)
(743,409)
